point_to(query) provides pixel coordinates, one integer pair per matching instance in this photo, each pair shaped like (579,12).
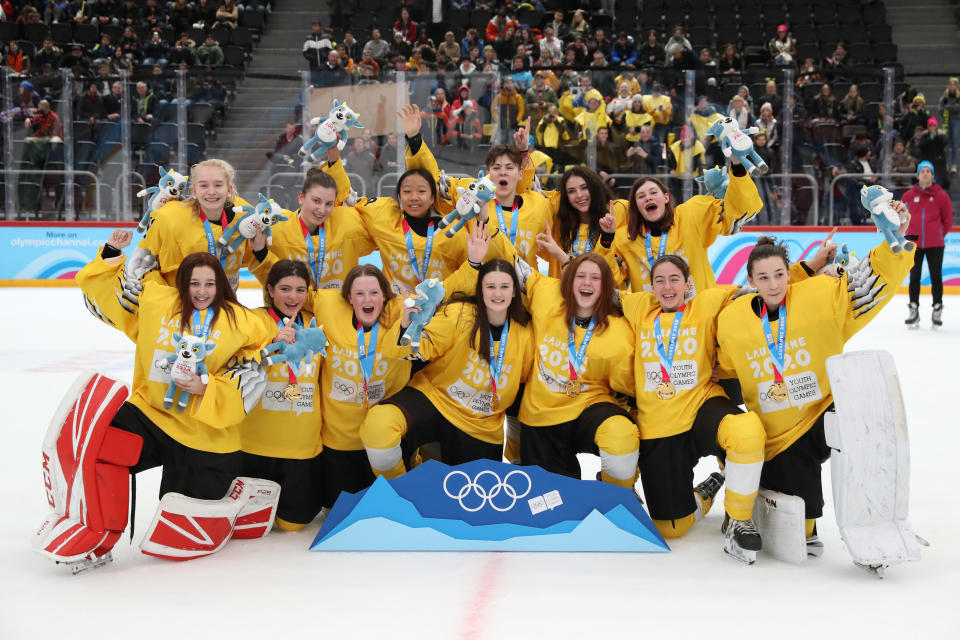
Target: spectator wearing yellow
(593,117)
(660,109)
(677,158)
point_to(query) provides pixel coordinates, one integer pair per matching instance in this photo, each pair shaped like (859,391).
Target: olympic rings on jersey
(488,494)
(344,388)
(458,393)
(654,376)
(274,395)
(163,365)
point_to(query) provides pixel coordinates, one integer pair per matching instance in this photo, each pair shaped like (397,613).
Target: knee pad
(619,442)
(743,437)
(675,528)
(86,472)
(185,528)
(381,432)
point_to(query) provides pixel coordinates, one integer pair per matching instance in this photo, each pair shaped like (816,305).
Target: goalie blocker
(86,472)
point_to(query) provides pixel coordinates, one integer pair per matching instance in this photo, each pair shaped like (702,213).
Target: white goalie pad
(870,461)
(781,519)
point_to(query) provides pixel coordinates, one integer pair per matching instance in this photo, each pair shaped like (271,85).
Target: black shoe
(741,539)
(913,320)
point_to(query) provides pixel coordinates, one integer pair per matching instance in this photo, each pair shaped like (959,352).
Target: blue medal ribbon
(408,236)
(666,355)
(587,242)
(316,265)
(514,220)
(496,365)
(662,249)
(576,355)
(291,375)
(776,350)
(367,356)
(202,329)
(211,240)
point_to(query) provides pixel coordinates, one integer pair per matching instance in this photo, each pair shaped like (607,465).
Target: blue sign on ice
(488,506)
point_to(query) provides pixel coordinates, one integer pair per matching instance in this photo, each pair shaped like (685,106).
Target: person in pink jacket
(931,218)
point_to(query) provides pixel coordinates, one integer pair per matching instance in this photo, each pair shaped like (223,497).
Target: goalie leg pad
(781,521)
(870,463)
(86,472)
(185,528)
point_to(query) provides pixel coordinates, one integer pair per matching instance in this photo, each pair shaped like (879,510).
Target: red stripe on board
(62,223)
(481,602)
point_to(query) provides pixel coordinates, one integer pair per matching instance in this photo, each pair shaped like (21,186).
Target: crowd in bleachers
(150,40)
(610,77)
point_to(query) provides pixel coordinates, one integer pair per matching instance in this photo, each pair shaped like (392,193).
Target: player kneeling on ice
(98,437)
(778,342)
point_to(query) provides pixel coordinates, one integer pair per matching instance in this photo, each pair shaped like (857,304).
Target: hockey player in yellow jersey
(330,239)
(281,436)
(584,356)
(656,227)
(199,446)
(480,350)
(778,341)
(357,373)
(180,228)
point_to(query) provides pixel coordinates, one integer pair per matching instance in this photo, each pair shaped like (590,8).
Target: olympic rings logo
(458,393)
(344,388)
(487,494)
(274,395)
(163,365)
(655,376)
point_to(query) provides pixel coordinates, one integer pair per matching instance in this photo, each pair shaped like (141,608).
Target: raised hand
(120,239)
(608,223)
(521,138)
(287,333)
(478,241)
(410,119)
(825,254)
(546,242)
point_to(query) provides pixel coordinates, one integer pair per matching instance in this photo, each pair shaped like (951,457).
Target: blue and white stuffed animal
(841,262)
(340,119)
(715,181)
(171,186)
(308,341)
(429,294)
(735,141)
(188,358)
(260,218)
(470,203)
(876,200)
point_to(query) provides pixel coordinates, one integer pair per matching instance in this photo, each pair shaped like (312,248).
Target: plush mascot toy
(171,186)
(340,119)
(470,203)
(429,294)
(715,181)
(308,341)
(736,142)
(188,358)
(254,219)
(876,200)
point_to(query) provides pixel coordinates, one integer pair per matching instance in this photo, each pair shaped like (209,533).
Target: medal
(211,241)
(778,390)
(512,233)
(496,364)
(575,358)
(412,254)
(587,243)
(363,397)
(315,264)
(366,357)
(666,390)
(662,249)
(202,329)
(292,392)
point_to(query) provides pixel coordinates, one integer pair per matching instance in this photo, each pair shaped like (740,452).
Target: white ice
(276,588)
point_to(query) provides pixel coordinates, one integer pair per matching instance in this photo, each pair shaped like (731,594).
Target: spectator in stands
(228,14)
(808,72)
(464,72)
(579,24)
(76,58)
(210,53)
(861,164)
(913,145)
(933,149)
(160,87)
(634,118)
(154,15)
(520,74)
(351,46)
(286,145)
(490,59)
(55,11)
(103,50)
(388,153)
(837,65)
(26,102)
(120,62)
(783,48)
(399,47)
(767,123)
(442,110)
(579,45)
(507,110)
(15,60)
(130,45)
(156,51)
(591,119)
(103,78)
(332,73)
(650,54)
(740,112)
(184,51)
(772,97)
(212,92)
(686,143)
(678,60)
(377,47)
(129,14)
(205,14)
(425,46)
(368,62)
(824,106)
(44,124)
(112,103)
(707,67)
(552,133)
(679,37)
(470,40)
(361,160)
(875,126)
(901,162)
(103,12)
(646,154)
(905,99)
(660,109)
(48,54)
(624,51)
(950,111)
(850,109)
(144,104)
(916,116)
(91,107)
(730,64)
(608,155)
(406,27)
(450,47)
(180,16)
(506,44)
(315,48)
(539,97)
(558,26)
(600,42)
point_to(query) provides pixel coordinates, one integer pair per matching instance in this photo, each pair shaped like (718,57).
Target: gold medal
(494,402)
(292,392)
(666,390)
(778,391)
(572,388)
(364,398)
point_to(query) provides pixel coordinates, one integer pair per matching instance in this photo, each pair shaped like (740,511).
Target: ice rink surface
(276,588)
